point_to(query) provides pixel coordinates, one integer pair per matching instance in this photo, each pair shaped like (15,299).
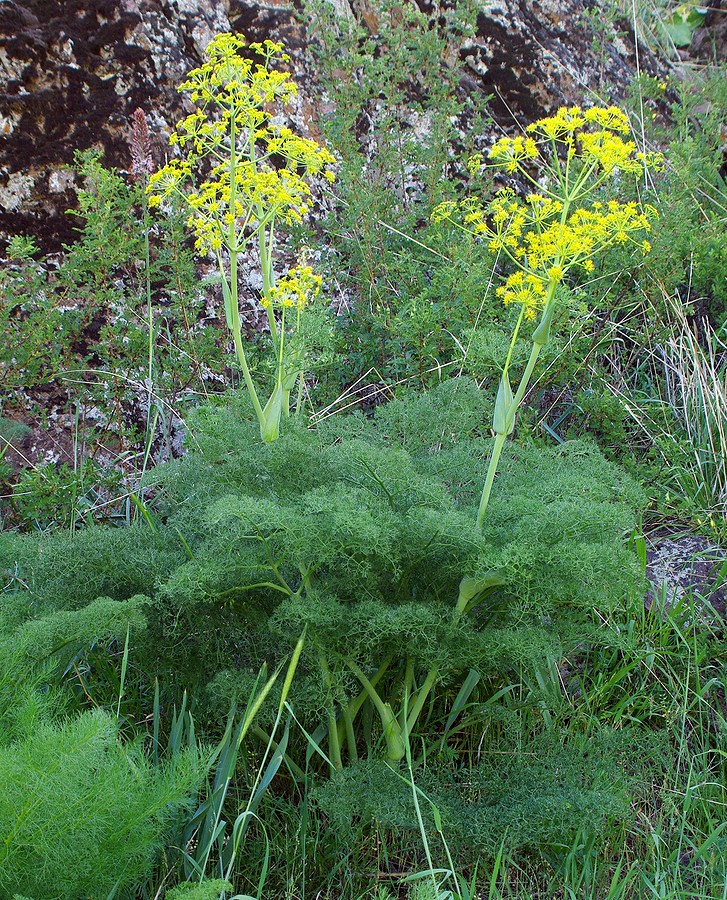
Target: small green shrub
(80,332)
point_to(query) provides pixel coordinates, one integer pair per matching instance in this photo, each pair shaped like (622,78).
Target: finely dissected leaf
(206,890)
(79,813)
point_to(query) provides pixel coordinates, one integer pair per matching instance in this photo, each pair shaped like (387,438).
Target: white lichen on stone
(60,180)
(18,188)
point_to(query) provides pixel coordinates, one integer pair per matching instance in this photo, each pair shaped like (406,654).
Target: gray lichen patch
(15,190)
(682,564)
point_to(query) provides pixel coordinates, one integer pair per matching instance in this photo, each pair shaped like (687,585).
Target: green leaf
(227,297)
(473,590)
(541,335)
(679,32)
(270,423)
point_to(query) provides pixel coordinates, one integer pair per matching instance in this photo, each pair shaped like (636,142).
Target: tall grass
(673,385)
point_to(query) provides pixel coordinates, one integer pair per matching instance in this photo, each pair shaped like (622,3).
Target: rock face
(73,71)
(686,564)
(532,56)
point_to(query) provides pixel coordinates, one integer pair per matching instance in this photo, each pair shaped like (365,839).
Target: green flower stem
(266,267)
(266,257)
(237,337)
(350,734)
(279,376)
(421,697)
(300,377)
(235,309)
(491,469)
(506,367)
(299,399)
(395,744)
(355,704)
(500,438)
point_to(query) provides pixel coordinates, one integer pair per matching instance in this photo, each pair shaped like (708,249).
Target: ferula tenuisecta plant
(554,232)
(243,175)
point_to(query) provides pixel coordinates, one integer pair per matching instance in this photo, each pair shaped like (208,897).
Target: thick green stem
(395,748)
(234,306)
(490,478)
(506,367)
(266,267)
(353,707)
(237,337)
(355,704)
(501,437)
(350,734)
(299,400)
(421,698)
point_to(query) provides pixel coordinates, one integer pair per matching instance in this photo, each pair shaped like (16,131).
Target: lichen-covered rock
(72,76)
(535,56)
(680,565)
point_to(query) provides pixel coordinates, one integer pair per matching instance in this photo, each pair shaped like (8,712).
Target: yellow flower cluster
(525,288)
(534,235)
(511,152)
(569,120)
(549,231)
(593,134)
(231,81)
(295,290)
(259,169)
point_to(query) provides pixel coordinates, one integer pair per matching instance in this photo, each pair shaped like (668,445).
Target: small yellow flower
(295,290)
(539,234)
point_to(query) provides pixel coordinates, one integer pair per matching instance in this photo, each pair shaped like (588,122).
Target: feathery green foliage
(80,815)
(365,543)
(530,797)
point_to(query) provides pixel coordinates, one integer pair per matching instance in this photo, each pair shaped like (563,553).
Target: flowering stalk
(550,235)
(242,175)
(142,166)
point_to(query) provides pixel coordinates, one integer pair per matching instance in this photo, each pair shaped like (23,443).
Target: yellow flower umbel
(553,233)
(242,175)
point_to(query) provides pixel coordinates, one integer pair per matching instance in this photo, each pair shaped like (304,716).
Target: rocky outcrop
(73,71)
(72,75)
